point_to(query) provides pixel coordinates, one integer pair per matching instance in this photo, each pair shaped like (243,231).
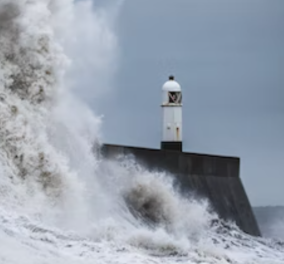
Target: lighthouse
(172,116)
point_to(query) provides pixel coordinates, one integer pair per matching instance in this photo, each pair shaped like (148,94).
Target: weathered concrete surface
(205,176)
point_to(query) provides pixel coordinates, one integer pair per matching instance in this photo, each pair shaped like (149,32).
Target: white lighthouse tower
(172,116)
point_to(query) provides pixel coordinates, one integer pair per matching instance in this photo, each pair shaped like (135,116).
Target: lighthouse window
(175,97)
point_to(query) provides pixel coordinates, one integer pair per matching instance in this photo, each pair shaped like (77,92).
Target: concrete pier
(206,176)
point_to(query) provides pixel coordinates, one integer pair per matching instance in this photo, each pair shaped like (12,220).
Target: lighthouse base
(174,146)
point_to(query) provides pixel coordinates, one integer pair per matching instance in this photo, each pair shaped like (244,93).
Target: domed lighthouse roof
(171,85)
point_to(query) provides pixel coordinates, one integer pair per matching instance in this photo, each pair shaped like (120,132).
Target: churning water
(60,203)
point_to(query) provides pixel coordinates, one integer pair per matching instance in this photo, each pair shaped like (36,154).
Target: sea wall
(206,176)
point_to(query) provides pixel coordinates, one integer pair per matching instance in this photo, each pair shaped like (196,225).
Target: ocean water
(60,201)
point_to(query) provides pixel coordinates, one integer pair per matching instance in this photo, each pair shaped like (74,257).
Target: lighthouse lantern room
(172,116)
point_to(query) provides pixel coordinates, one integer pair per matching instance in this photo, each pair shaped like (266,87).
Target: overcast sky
(228,57)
